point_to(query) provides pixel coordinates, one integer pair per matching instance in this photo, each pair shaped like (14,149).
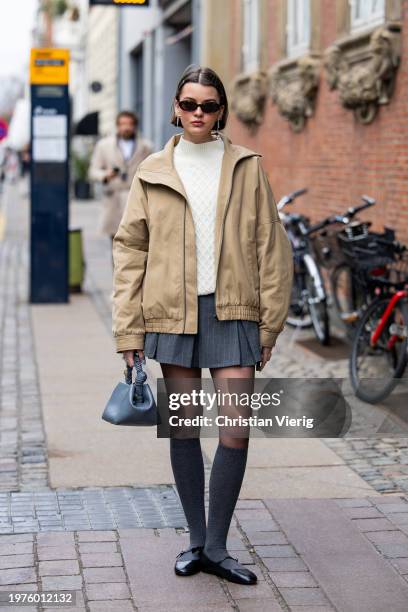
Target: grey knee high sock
(227,474)
(188,469)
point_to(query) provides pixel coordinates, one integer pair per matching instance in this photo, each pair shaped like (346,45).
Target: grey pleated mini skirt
(217,343)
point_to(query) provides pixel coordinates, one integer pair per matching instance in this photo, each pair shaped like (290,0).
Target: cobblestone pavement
(90,508)
(23,460)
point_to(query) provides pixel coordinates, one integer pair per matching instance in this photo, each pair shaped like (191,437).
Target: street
(91,507)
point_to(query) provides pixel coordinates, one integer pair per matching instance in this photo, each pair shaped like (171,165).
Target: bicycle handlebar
(345,218)
(287,199)
(298,192)
(353,210)
(368,200)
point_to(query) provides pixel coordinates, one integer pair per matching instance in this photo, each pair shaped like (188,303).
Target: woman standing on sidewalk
(202,279)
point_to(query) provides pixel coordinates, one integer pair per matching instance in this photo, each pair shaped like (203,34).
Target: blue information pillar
(50,113)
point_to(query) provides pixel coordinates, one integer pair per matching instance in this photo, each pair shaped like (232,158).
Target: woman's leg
(229,463)
(186,456)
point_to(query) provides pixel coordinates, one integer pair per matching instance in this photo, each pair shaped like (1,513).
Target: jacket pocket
(253,265)
(162,288)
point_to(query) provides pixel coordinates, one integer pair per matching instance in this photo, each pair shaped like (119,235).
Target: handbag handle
(140,378)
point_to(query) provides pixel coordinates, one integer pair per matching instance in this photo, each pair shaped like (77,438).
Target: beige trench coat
(107,155)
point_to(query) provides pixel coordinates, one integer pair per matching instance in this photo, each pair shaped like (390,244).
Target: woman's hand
(266,355)
(128,356)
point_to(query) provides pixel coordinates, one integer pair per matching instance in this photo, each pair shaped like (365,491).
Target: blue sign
(50,112)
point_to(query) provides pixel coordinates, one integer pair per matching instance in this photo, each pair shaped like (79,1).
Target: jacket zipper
(184,265)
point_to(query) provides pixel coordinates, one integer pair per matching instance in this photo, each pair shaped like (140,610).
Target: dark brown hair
(204,76)
(130,114)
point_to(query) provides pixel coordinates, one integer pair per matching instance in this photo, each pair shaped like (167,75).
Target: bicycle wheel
(348,297)
(318,311)
(374,371)
(298,315)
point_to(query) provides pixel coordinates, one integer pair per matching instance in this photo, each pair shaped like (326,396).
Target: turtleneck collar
(192,148)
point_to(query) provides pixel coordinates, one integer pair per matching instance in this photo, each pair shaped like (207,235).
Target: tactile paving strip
(96,508)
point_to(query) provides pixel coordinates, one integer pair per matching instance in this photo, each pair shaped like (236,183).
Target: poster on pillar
(119,2)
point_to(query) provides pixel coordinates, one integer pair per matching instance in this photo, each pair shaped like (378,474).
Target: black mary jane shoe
(190,563)
(240,575)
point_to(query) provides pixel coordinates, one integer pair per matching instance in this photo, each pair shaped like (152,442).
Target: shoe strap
(229,557)
(194,548)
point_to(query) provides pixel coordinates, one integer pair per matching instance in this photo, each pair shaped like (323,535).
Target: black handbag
(132,403)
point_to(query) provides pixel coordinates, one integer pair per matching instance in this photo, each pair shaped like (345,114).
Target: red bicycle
(379,354)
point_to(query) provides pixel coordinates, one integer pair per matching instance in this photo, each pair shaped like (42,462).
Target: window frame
(251,35)
(364,23)
(295,50)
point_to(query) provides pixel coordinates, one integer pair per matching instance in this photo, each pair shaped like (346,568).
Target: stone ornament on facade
(248,96)
(294,90)
(364,85)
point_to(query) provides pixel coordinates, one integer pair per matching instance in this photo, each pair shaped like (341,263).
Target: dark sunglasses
(206,107)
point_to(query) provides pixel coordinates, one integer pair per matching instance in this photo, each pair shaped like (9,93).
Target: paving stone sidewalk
(310,555)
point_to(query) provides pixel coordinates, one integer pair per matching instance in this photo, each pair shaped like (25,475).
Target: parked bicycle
(379,354)
(308,306)
(354,280)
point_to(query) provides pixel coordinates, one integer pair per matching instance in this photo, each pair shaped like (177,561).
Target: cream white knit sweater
(199,168)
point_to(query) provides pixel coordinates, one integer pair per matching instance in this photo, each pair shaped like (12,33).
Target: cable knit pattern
(199,168)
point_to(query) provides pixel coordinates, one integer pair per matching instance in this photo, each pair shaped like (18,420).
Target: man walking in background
(114,162)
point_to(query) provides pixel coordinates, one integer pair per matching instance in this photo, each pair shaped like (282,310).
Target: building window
(366,13)
(250,47)
(298,27)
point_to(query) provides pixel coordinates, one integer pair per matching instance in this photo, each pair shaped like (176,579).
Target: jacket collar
(159,167)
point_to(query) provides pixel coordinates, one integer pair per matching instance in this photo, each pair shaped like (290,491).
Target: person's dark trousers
(226,478)
(188,469)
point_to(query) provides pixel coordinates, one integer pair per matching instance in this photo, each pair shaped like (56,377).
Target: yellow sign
(123,2)
(49,66)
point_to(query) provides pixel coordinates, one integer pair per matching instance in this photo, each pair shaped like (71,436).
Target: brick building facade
(336,156)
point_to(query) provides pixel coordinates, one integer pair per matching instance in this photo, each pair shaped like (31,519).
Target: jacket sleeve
(97,167)
(130,249)
(275,264)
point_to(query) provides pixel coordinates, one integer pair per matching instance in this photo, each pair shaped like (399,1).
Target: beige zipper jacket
(155,283)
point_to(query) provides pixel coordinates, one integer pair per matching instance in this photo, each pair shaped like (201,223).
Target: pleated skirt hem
(217,343)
